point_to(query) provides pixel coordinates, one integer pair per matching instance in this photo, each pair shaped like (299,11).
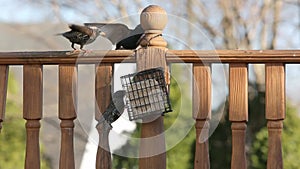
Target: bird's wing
(82,29)
(137,30)
(107,113)
(115,32)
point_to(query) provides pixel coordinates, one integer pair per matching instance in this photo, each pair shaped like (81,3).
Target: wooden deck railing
(238,60)
(154,54)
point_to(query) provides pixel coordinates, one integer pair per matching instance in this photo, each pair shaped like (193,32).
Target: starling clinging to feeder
(120,35)
(115,109)
(81,35)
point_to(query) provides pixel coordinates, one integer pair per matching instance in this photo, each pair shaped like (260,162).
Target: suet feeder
(147,94)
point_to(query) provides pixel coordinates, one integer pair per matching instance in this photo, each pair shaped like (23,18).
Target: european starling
(120,35)
(81,35)
(115,109)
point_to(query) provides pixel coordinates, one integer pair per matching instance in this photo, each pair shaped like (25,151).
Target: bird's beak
(102,34)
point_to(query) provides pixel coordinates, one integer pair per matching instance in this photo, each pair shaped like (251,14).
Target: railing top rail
(172,56)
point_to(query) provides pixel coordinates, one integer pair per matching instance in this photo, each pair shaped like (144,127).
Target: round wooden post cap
(153,19)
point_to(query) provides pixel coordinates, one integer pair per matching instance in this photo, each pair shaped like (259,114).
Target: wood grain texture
(32,155)
(172,56)
(103,83)
(202,91)
(103,157)
(275,91)
(238,156)
(32,112)
(67,91)
(103,87)
(238,92)
(275,112)
(238,113)
(275,160)
(67,113)
(152,150)
(202,113)
(32,91)
(150,58)
(202,145)
(3,91)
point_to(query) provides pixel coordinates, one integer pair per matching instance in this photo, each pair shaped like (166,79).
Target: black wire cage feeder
(147,93)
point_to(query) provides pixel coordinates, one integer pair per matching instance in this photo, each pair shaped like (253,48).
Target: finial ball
(153,19)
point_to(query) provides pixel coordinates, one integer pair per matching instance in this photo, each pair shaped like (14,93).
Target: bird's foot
(76,51)
(87,51)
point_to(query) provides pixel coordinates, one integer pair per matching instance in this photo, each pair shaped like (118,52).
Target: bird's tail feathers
(105,123)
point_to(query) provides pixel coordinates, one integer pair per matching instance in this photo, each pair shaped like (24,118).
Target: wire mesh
(146,93)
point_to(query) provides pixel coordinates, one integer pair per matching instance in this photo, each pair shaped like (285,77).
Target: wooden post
(104,75)
(202,113)
(152,145)
(32,112)
(3,91)
(275,112)
(67,113)
(238,113)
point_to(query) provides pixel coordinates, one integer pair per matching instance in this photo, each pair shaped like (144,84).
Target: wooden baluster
(152,145)
(67,113)
(202,113)
(32,112)
(275,112)
(3,91)
(104,74)
(238,113)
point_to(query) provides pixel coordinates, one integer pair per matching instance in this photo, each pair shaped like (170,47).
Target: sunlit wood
(32,112)
(238,113)
(172,56)
(275,112)
(202,113)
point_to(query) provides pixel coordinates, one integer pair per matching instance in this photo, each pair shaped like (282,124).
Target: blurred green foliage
(290,143)
(13,134)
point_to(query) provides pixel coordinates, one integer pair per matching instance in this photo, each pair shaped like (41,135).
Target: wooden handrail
(172,56)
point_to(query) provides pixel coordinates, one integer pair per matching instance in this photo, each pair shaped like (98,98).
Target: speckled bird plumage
(115,109)
(81,35)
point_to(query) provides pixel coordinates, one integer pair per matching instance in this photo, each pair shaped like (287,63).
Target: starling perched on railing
(115,109)
(120,35)
(81,35)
